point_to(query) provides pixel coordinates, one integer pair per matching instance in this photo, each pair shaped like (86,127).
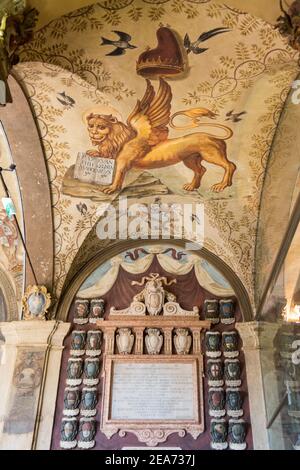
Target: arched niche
(120,246)
(174,262)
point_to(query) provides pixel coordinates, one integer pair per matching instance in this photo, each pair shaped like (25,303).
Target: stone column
(45,418)
(139,340)
(109,338)
(168,345)
(258,347)
(196,332)
(30,347)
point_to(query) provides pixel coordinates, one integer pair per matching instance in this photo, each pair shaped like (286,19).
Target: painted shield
(69,429)
(94,340)
(218,430)
(89,399)
(227,311)
(213,341)
(81,308)
(97,308)
(78,340)
(233,399)
(230,341)
(216,399)
(74,369)
(36,303)
(91,369)
(215,370)
(71,399)
(237,434)
(87,430)
(211,310)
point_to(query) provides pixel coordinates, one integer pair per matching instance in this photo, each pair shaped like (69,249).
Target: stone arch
(9,297)
(28,155)
(121,245)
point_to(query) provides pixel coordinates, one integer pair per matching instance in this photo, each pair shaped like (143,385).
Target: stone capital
(34,333)
(258,335)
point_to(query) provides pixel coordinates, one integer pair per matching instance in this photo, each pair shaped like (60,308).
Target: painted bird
(82,208)
(120,45)
(194,217)
(234,117)
(65,100)
(194,46)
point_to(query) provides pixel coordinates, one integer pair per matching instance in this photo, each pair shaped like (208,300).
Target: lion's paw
(189,187)
(217,188)
(110,189)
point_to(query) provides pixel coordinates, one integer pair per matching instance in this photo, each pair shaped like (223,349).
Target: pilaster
(31,363)
(258,339)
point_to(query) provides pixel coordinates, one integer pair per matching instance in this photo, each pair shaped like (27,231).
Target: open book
(94,169)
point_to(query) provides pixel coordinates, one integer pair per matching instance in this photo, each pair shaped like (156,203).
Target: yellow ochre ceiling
(248,70)
(50,9)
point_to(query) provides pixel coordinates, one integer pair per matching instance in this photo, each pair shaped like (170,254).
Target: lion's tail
(195,114)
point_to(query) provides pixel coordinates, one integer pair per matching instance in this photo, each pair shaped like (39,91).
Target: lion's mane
(118,136)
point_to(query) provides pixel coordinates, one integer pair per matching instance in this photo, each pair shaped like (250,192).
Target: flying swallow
(82,208)
(194,46)
(120,45)
(65,100)
(234,117)
(194,217)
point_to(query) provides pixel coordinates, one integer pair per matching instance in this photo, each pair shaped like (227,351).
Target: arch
(123,245)
(271,232)
(28,155)
(9,297)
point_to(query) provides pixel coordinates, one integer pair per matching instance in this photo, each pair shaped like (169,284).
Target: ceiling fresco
(49,9)
(201,133)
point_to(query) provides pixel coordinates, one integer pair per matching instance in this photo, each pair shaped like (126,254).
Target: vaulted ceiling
(268,10)
(248,70)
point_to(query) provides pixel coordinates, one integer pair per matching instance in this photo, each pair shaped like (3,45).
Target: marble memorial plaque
(160,391)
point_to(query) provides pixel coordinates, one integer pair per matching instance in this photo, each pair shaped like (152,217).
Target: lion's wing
(151,115)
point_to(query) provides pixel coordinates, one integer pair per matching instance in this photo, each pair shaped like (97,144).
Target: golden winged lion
(143,143)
